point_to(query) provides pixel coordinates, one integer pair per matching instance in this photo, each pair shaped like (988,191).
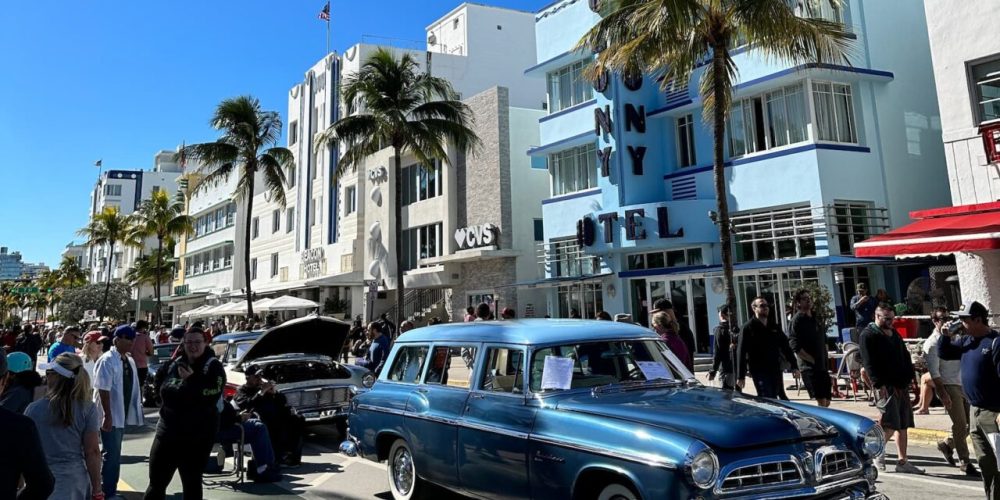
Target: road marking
(921,479)
(123,486)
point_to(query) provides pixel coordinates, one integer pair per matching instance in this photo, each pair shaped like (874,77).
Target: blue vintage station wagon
(592,409)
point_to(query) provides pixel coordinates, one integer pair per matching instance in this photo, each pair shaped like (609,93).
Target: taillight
(229,390)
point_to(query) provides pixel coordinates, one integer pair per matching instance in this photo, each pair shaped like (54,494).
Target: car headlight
(873,441)
(704,469)
(368,380)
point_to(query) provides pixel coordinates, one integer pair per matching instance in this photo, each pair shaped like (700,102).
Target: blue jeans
(111,443)
(255,434)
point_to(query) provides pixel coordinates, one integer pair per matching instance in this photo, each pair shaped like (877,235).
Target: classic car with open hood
(300,357)
(592,409)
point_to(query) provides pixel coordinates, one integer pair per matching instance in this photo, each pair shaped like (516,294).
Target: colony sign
(477,236)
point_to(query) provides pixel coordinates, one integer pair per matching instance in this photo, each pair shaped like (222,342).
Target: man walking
(67,343)
(809,344)
(761,346)
(887,362)
(723,363)
(142,349)
(863,306)
(948,386)
(979,352)
(118,387)
(29,342)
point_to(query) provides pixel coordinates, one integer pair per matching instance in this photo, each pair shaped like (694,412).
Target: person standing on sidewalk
(863,306)
(979,352)
(888,364)
(761,347)
(142,349)
(947,383)
(118,389)
(723,362)
(667,329)
(809,344)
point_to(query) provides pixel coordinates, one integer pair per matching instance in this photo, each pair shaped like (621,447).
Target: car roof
(527,331)
(237,336)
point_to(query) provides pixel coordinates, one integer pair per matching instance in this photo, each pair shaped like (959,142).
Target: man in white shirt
(117,384)
(948,385)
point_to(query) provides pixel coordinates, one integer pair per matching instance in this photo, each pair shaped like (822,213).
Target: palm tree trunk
(246,241)
(397,231)
(719,171)
(107,283)
(159,256)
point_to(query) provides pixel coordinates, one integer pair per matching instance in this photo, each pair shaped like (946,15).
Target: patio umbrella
(233,308)
(261,305)
(289,303)
(209,311)
(194,312)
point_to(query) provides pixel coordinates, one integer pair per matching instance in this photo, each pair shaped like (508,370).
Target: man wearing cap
(117,383)
(979,352)
(863,306)
(23,456)
(259,396)
(67,343)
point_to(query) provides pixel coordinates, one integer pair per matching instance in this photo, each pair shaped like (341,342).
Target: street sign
(25,290)
(90,315)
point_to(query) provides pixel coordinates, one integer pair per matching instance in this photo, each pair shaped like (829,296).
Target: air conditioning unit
(991,141)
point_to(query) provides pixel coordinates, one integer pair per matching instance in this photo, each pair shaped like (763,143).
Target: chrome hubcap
(402,471)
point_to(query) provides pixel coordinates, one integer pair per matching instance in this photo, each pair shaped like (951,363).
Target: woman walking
(68,423)
(189,418)
(93,347)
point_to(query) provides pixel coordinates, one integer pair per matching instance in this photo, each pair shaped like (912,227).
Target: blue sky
(121,80)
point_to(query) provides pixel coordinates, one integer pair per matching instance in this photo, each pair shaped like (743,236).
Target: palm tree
(110,228)
(671,37)
(163,218)
(151,269)
(399,107)
(249,136)
(70,274)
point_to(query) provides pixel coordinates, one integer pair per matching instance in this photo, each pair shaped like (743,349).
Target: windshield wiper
(635,384)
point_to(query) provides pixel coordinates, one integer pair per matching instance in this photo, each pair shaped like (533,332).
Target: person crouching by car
(286,428)
(263,468)
(191,390)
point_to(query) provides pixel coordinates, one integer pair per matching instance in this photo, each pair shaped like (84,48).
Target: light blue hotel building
(818,158)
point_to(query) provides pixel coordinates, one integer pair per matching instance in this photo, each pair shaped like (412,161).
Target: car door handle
(477,395)
(422,391)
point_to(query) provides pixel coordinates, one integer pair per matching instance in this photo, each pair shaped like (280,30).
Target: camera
(952,327)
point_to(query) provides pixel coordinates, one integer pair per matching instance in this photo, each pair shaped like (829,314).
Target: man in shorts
(888,364)
(809,344)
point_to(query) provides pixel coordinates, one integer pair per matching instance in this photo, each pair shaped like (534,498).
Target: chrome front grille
(834,462)
(311,398)
(767,474)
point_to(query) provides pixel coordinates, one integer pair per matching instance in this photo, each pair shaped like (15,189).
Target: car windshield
(591,364)
(301,371)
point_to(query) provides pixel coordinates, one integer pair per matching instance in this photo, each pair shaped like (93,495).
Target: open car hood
(309,335)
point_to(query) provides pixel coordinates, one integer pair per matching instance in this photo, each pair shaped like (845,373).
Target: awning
(939,231)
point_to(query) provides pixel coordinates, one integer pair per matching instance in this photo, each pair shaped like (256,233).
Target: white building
(314,246)
(78,252)
(967,76)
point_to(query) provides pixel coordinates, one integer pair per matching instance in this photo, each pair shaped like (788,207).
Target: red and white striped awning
(939,231)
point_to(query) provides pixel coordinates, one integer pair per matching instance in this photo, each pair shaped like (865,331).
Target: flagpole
(327,37)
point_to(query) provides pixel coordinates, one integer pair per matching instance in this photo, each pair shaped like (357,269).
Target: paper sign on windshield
(557,373)
(653,370)
(678,363)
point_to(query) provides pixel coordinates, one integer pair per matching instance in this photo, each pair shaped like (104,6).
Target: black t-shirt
(805,336)
(191,406)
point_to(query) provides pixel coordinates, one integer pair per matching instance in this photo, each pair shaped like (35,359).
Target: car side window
(504,370)
(451,366)
(409,364)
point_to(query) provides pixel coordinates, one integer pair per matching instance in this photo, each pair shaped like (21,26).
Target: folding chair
(236,476)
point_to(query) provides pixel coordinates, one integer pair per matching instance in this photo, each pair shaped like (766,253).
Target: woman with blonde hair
(68,422)
(93,347)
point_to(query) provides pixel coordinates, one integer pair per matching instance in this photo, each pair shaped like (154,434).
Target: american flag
(325,13)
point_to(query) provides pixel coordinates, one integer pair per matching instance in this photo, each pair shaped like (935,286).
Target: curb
(930,437)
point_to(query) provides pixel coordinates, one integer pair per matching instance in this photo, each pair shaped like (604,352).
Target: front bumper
(856,488)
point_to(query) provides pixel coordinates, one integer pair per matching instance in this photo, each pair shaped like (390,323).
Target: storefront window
(586,299)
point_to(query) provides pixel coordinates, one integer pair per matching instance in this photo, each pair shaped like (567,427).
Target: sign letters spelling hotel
(635,119)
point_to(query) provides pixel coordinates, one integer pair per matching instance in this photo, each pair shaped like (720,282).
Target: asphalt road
(328,474)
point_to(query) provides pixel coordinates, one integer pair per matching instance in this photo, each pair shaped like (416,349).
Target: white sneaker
(880,462)
(908,468)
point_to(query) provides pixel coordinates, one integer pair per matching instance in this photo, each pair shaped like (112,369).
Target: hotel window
(421,243)
(574,169)
(253,269)
(350,200)
(290,219)
(227,256)
(421,183)
(685,141)
(112,190)
(568,87)
(671,258)
(275,221)
(834,112)
(775,233)
(231,215)
(539,230)
(821,9)
(565,258)
(290,177)
(274,264)
(216,259)
(293,132)
(853,222)
(255,227)
(986,76)
(775,119)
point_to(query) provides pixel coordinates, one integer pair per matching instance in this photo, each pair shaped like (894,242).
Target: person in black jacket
(191,391)
(723,362)
(22,454)
(762,345)
(888,365)
(809,344)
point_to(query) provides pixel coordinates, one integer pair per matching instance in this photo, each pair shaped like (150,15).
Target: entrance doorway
(688,298)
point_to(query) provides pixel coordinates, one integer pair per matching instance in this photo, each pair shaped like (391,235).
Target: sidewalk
(930,428)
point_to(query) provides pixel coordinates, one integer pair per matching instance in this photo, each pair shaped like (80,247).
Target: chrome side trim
(380,409)
(644,458)
(494,430)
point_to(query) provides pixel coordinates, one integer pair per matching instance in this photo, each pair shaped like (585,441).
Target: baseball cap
(125,332)
(861,286)
(94,336)
(971,309)
(18,362)
(253,371)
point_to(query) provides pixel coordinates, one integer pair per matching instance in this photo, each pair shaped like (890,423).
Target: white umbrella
(261,305)
(289,303)
(209,311)
(234,307)
(194,312)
